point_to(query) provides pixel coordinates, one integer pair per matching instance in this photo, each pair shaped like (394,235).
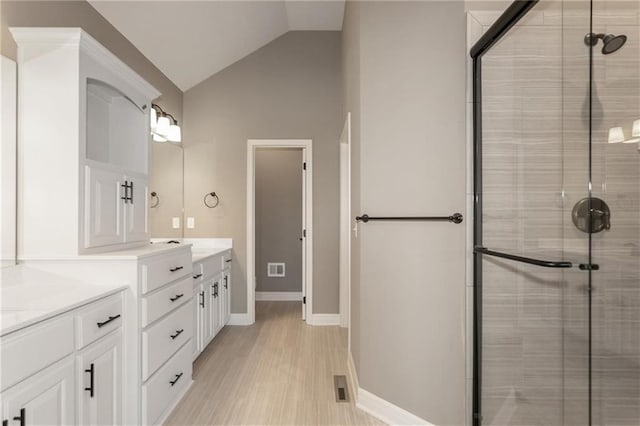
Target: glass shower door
(615,356)
(535,166)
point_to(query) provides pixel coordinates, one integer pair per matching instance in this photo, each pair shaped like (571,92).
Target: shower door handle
(522,259)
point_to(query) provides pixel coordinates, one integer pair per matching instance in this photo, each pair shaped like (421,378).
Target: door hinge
(304,300)
(304,166)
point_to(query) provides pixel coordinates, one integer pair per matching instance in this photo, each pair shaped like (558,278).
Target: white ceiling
(192,40)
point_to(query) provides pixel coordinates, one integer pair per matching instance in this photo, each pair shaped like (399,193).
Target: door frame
(345,225)
(307,276)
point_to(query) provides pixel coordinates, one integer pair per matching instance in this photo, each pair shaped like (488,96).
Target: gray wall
(289,89)
(408,61)
(279,217)
(166,161)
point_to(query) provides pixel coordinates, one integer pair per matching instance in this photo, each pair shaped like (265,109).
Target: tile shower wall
(536,167)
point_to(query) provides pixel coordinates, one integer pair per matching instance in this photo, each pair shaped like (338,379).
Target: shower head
(611,43)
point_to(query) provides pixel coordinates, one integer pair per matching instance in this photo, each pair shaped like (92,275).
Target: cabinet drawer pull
(215,290)
(176,297)
(202,297)
(125,186)
(90,388)
(111,318)
(22,418)
(195,277)
(178,332)
(173,382)
(177,268)
(228,260)
(226,281)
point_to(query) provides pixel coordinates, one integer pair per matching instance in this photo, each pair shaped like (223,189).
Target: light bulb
(158,138)
(616,135)
(175,135)
(162,128)
(635,132)
(153,119)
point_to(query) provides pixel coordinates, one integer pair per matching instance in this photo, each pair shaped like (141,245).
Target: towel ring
(214,195)
(154,195)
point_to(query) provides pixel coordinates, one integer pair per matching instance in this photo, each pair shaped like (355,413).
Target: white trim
(239,319)
(278,296)
(324,319)
(307,279)
(345,225)
(387,412)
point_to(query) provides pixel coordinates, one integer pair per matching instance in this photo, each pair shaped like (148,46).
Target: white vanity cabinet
(83,138)
(212,298)
(115,207)
(46,398)
(67,369)
(99,377)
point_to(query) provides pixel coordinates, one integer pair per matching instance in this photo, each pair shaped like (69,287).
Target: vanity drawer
(161,391)
(211,266)
(159,303)
(163,338)
(197,274)
(159,272)
(29,350)
(226,259)
(98,319)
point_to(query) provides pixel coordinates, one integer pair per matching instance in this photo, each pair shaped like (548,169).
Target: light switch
(191,222)
(176,223)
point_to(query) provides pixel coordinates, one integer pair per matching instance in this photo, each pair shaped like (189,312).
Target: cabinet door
(195,341)
(136,210)
(204,331)
(46,398)
(103,211)
(99,378)
(226,297)
(216,304)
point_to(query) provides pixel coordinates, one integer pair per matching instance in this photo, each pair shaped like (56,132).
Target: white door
(304,234)
(104,215)
(99,373)
(47,398)
(136,210)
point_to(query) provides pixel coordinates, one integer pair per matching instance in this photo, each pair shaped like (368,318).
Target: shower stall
(556,123)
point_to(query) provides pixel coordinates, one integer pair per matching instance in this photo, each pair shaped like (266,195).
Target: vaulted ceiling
(192,40)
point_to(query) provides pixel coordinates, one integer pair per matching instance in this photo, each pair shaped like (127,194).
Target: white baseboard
(239,319)
(324,319)
(387,412)
(354,386)
(295,296)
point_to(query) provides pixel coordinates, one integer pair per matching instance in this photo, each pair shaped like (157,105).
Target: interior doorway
(270,194)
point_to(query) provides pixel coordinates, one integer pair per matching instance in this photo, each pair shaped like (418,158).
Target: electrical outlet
(191,222)
(175,223)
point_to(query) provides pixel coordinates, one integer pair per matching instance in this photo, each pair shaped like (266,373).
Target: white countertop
(198,254)
(28,296)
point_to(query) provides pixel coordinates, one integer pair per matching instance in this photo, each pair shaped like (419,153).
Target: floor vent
(340,385)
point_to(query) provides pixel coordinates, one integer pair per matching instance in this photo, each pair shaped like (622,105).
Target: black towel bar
(455,218)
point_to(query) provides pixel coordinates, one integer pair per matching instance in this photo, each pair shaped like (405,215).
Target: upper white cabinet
(83,126)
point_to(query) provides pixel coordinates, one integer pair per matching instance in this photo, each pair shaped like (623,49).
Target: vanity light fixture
(164,126)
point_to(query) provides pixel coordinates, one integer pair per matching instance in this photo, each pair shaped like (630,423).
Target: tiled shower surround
(536,119)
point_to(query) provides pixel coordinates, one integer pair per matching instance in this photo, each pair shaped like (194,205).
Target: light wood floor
(277,371)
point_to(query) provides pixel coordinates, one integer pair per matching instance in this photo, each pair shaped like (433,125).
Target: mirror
(166,191)
(8,142)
